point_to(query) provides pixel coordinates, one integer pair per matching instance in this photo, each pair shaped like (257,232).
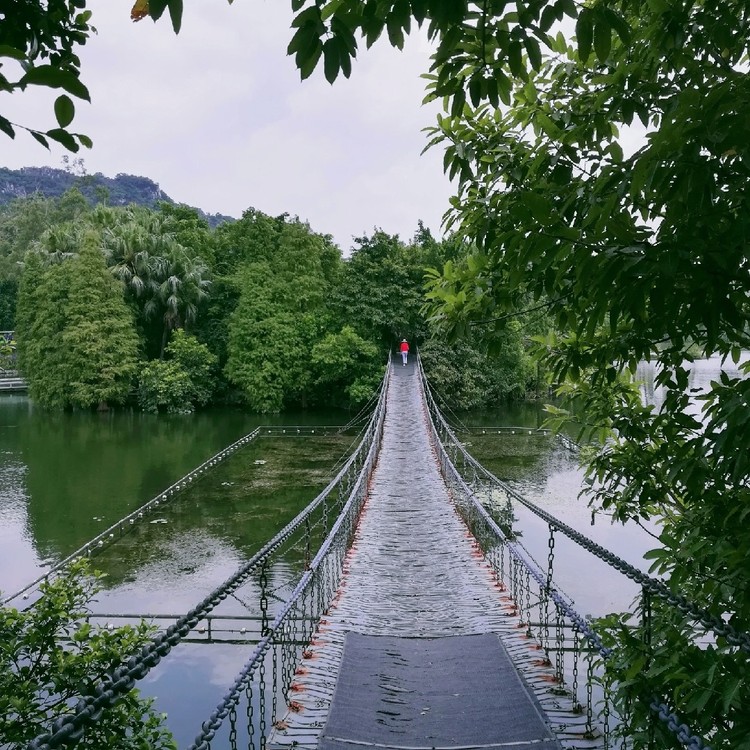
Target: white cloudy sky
(219,118)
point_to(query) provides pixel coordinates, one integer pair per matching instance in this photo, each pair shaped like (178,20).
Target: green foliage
(705,679)
(42,37)
(197,361)
(8,295)
(472,378)
(281,313)
(165,384)
(634,255)
(380,291)
(51,656)
(76,340)
(346,364)
(184,380)
(166,281)
(7,352)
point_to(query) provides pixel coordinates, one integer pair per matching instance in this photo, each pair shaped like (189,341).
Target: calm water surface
(543,470)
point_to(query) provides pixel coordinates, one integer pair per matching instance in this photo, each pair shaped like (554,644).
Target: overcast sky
(218,117)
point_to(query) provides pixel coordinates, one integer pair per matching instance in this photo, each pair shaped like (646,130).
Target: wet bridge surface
(418,649)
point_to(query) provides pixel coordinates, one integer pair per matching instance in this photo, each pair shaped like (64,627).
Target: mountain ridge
(121,190)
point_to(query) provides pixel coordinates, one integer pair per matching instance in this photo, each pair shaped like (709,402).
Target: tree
(76,338)
(52,655)
(474,378)
(167,281)
(380,291)
(281,313)
(635,252)
(346,364)
(100,341)
(182,381)
(22,223)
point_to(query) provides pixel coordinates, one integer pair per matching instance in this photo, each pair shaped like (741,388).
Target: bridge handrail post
(716,625)
(319,573)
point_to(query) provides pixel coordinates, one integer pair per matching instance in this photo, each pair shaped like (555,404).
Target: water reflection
(64,478)
(701,374)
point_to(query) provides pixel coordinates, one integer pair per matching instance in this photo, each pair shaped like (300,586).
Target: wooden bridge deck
(414,572)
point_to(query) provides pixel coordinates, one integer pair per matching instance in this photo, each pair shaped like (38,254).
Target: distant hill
(121,190)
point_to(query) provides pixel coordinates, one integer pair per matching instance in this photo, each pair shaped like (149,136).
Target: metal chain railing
(710,622)
(467,500)
(126,524)
(67,730)
(285,640)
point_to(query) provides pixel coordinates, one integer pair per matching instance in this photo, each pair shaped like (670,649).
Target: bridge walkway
(411,652)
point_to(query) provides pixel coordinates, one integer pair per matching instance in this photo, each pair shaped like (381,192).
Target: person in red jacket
(404,349)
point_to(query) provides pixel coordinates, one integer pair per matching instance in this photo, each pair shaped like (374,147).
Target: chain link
(69,729)
(548,591)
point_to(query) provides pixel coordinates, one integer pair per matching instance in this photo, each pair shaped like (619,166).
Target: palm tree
(183,285)
(164,278)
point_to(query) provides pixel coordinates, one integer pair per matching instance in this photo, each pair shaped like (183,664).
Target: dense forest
(150,305)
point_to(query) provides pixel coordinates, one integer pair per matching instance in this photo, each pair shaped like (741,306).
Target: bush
(165,386)
(51,656)
(178,384)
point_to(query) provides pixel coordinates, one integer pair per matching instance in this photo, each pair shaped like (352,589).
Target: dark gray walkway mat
(453,692)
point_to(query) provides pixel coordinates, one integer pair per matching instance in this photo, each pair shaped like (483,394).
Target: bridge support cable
(537,600)
(294,627)
(126,524)
(711,623)
(69,729)
(496,540)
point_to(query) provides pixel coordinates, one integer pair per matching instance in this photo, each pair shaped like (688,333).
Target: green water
(64,478)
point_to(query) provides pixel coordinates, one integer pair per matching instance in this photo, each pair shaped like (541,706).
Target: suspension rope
(670,718)
(126,524)
(653,585)
(69,729)
(234,694)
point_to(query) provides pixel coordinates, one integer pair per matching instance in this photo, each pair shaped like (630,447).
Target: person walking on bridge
(404,349)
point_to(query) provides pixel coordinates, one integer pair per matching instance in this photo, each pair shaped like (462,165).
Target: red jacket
(404,347)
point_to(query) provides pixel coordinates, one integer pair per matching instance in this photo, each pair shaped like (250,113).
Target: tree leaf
(475,88)
(602,38)
(330,59)
(311,60)
(585,33)
(538,205)
(64,110)
(156,8)
(7,127)
(534,52)
(57,78)
(7,51)
(64,138)
(175,14)
(40,138)
(515,57)
(619,24)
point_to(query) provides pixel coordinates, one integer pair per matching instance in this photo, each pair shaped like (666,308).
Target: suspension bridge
(416,617)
